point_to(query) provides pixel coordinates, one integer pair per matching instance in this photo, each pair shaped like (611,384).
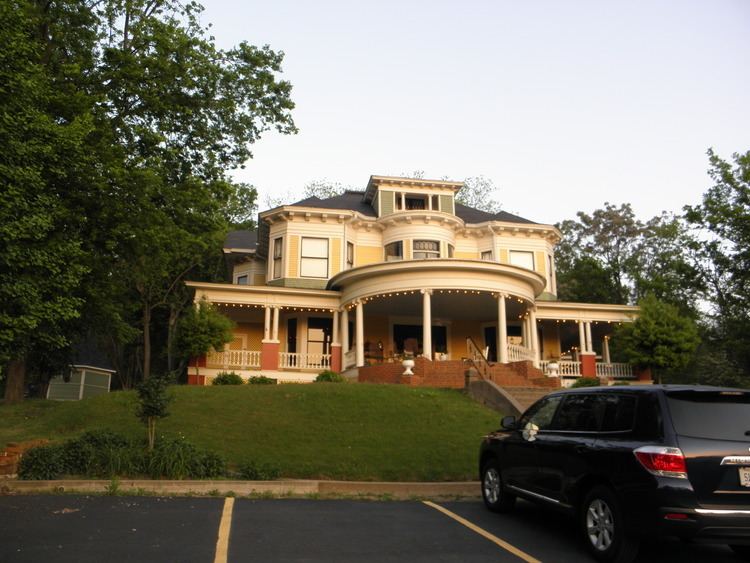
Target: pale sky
(563,104)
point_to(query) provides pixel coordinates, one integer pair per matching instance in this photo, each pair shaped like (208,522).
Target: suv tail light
(663,461)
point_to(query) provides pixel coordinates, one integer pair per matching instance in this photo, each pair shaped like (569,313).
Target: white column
(534,336)
(502,331)
(589,342)
(403,201)
(344,331)
(581,337)
(359,337)
(605,350)
(275,324)
(267,324)
(427,324)
(335,322)
(525,332)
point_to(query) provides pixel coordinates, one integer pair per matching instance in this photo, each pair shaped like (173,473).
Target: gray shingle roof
(241,239)
(350,200)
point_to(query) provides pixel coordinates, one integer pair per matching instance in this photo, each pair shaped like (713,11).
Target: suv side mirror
(508,422)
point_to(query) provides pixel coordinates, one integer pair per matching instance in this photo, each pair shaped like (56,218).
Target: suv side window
(541,413)
(580,413)
(619,412)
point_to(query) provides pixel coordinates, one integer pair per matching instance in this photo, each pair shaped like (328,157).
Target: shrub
(261,380)
(176,458)
(586,382)
(329,377)
(228,378)
(42,463)
(253,471)
(100,453)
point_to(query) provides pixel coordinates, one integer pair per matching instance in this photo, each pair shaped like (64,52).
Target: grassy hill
(328,431)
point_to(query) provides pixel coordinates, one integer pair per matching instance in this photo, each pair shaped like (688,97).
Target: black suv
(629,462)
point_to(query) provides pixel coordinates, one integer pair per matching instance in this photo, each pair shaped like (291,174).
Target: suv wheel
(495,498)
(603,527)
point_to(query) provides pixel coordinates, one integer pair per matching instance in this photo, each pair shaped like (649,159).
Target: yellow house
(360,281)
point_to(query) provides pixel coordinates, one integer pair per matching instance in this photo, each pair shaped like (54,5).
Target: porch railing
(477,358)
(350,359)
(518,353)
(304,361)
(239,359)
(564,367)
(616,370)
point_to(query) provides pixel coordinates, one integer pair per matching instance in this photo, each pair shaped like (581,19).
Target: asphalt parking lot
(117,529)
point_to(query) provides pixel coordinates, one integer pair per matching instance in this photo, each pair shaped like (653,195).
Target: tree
(136,117)
(41,264)
(659,338)
(479,192)
(153,402)
(586,280)
(203,329)
(324,189)
(723,218)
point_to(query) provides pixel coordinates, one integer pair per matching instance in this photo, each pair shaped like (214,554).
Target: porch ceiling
(481,307)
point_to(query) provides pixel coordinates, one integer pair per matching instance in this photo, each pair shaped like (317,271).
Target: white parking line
(484,533)
(222,542)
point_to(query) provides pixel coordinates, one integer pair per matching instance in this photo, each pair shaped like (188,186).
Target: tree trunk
(146,341)
(15,380)
(174,314)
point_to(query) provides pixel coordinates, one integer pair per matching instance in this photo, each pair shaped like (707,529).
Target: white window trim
(327,257)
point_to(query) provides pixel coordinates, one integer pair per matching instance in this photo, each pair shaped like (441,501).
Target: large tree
(724,220)
(142,117)
(41,259)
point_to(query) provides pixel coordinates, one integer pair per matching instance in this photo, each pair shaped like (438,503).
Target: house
(361,280)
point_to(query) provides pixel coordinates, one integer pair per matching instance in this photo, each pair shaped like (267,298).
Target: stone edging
(284,488)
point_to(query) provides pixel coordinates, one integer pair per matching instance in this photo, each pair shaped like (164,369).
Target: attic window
(242,280)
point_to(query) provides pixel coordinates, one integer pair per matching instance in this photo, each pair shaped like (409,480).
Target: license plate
(744,476)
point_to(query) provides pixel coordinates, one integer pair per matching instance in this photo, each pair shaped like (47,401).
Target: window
(435,203)
(394,251)
(619,412)
(314,259)
(349,255)
(487,255)
(415,202)
(242,280)
(580,413)
(278,244)
(522,259)
(541,413)
(424,249)
(451,249)
(319,336)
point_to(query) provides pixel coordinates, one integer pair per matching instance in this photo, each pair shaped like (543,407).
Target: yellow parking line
(222,543)
(502,543)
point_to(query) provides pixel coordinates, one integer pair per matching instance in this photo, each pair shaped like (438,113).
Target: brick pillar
(196,364)
(588,364)
(269,355)
(644,375)
(336,358)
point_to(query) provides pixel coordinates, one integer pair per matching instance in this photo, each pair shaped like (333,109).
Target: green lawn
(326,431)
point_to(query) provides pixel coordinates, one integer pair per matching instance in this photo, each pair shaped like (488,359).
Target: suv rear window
(721,415)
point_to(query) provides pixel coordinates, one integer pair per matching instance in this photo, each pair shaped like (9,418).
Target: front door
(490,341)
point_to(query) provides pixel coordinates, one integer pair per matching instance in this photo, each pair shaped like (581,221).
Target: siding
(540,262)
(335,259)
(446,204)
(292,258)
(387,200)
(504,256)
(466,255)
(259,279)
(364,255)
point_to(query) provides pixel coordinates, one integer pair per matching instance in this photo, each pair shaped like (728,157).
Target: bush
(586,382)
(100,453)
(176,458)
(261,380)
(329,377)
(106,454)
(42,463)
(253,471)
(228,378)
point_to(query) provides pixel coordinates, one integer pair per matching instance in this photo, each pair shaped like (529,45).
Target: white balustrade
(568,367)
(615,370)
(304,361)
(518,353)
(234,359)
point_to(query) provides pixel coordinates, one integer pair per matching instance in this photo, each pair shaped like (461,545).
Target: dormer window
(412,202)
